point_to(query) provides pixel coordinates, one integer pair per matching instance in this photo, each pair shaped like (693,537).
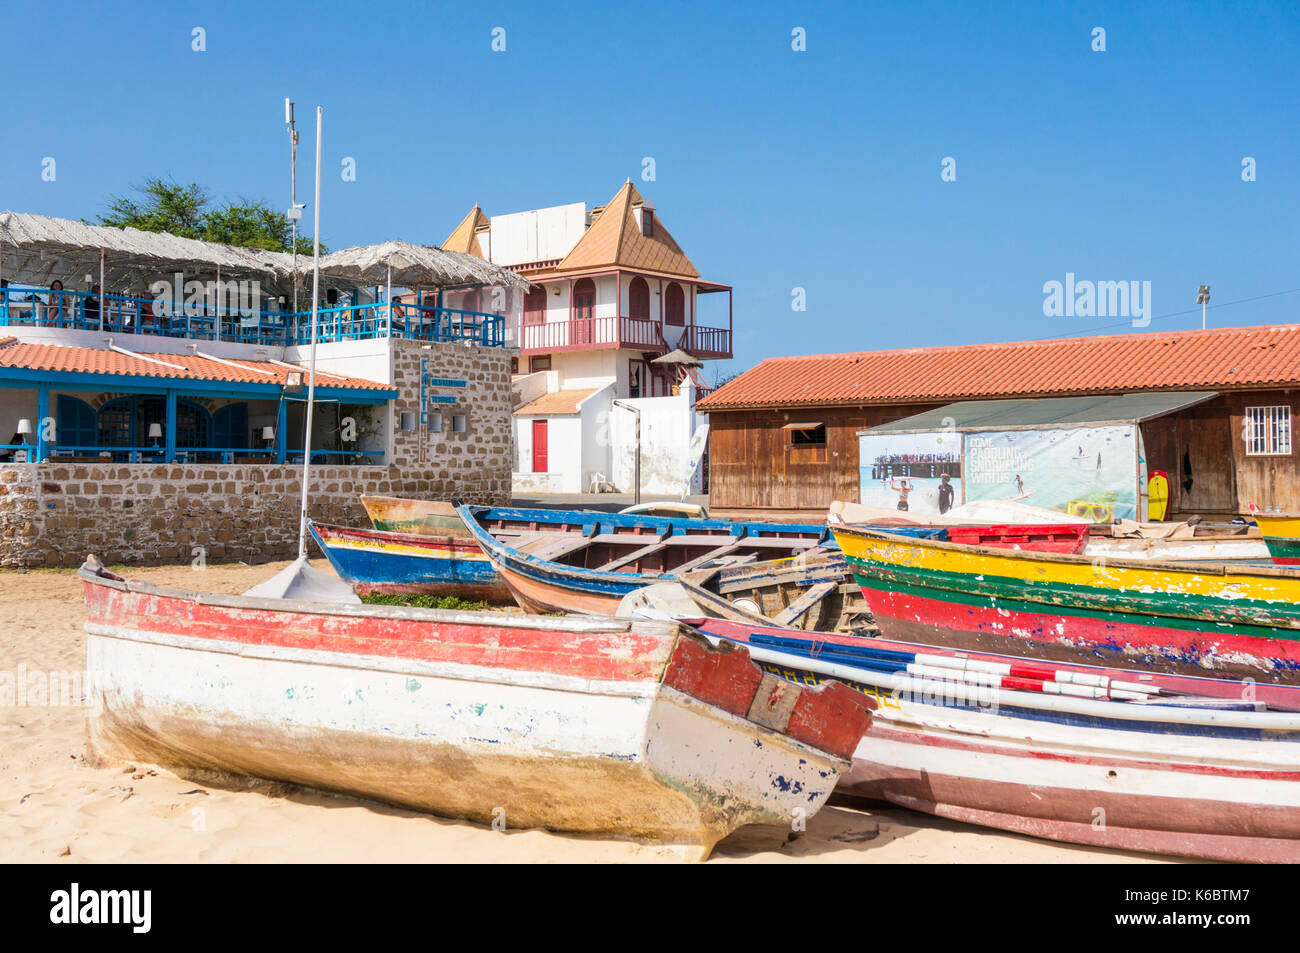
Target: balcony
(586,334)
(121,314)
(638,334)
(706,343)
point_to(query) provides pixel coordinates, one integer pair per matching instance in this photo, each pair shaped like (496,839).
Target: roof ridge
(989,345)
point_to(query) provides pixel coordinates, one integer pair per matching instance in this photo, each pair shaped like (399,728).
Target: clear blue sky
(775,169)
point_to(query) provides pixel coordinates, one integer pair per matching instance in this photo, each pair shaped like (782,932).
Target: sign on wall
(1090,472)
(919,473)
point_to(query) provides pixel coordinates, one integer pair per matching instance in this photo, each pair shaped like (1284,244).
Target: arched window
(584,299)
(535,306)
(638,298)
(674,306)
(74,426)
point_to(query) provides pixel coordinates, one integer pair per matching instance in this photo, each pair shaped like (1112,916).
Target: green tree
(184,210)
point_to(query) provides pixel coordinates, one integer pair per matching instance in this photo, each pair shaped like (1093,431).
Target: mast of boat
(311,373)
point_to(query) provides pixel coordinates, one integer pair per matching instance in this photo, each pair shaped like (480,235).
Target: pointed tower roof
(462,238)
(614,238)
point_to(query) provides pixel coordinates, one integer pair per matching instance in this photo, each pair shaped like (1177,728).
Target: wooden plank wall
(753,464)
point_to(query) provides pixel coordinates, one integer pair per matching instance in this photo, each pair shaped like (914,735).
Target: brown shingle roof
(1228,358)
(462,237)
(614,239)
(90,360)
(556,403)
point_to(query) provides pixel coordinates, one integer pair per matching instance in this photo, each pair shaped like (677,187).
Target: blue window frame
(230,427)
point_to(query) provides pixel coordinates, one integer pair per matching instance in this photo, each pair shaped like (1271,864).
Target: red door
(584,312)
(539,446)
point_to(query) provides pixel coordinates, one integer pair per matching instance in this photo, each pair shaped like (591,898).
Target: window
(807,435)
(75,427)
(638,299)
(539,363)
(435,422)
(648,222)
(460,423)
(674,306)
(635,376)
(535,306)
(230,427)
(406,420)
(1268,431)
(584,299)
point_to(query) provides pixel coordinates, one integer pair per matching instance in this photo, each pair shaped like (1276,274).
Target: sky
(915,175)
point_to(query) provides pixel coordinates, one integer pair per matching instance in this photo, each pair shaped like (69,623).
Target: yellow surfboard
(1157,495)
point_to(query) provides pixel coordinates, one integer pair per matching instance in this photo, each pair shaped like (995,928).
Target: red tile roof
(90,360)
(1225,359)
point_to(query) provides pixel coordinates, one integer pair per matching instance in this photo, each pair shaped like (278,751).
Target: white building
(612,291)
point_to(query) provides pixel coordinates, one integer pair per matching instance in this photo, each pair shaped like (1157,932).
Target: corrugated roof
(90,360)
(1224,359)
(1034,413)
(557,403)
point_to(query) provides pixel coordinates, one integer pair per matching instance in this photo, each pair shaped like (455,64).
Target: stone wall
(53,514)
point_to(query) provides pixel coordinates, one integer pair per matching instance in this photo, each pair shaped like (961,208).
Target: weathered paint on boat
(599,726)
(1282,536)
(545,585)
(1197,782)
(1173,617)
(374,561)
(1197,548)
(398,514)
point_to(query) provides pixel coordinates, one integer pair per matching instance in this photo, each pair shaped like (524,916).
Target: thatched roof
(415,265)
(37,249)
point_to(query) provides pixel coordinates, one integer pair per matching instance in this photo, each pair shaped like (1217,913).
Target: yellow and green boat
(400,514)
(1202,619)
(1282,536)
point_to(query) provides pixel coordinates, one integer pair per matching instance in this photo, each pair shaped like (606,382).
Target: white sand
(55,807)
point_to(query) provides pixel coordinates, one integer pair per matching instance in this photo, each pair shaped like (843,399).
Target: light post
(295,210)
(1203,298)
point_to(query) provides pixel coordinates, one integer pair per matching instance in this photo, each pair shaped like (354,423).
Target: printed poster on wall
(1089,472)
(919,473)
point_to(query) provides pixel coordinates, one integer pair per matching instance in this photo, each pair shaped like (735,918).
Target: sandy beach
(57,808)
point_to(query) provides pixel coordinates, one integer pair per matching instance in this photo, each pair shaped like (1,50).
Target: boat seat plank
(711,554)
(657,546)
(796,609)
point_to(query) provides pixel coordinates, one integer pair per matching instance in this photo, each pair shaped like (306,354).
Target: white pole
(102,289)
(389,293)
(311,374)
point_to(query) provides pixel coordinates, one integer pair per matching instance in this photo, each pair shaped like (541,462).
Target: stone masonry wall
(53,514)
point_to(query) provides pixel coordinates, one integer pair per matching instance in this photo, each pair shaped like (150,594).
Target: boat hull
(1282,536)
(372,561)
(1216,783)
(590,726)
(1208,620)
(397,514)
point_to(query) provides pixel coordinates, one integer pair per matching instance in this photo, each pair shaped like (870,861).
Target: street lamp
(1203,298)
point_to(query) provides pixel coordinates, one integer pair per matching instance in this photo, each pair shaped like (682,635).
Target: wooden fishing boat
(1118,758)
(591,571)
(372,561)
(1193,618)
(600,726)
(1281,535)
(399,514)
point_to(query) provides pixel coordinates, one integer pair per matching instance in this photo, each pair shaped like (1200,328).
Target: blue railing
(123,314)
(158,454)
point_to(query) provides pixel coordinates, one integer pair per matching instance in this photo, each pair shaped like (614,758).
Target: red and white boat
(628,728)
(1122,758)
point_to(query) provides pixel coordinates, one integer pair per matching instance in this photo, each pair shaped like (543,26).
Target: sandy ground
(54,807)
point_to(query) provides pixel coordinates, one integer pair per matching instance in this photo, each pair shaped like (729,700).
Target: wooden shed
(783,436)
